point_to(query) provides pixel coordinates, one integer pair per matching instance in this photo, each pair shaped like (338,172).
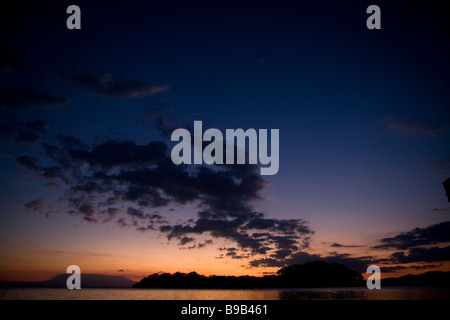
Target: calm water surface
(394,293)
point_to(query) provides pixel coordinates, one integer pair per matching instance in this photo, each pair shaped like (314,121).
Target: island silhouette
(317,274)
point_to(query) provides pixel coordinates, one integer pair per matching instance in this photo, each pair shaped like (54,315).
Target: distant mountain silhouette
(87,281)
(309,275)
(432,278)
(317,274)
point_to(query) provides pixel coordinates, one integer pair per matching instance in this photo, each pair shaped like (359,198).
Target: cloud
(236,230)
(87,209)
(433,254)
(392,268)
(441,166)
(439,209)
(426,266)
(411,128)
(140,177)
(90,219)
(23,132)
(164,120)
(110,214)
(104,85)
(29,162)
(415,267)
(136,213)
(416,244)
(338,245)
(28,98)
(52,172)
(38,206)
(235,255)
(35,205)
(120,153)
(30,131)
(186,240)
(50,185)
(437,233)
(205,243)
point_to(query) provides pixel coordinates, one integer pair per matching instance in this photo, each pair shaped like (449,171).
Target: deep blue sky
(363,114)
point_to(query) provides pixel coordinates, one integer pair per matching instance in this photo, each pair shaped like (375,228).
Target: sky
(86,117)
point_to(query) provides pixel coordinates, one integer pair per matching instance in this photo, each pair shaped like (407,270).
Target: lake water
(392,293)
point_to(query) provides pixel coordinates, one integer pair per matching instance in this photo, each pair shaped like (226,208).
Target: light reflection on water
(398,293)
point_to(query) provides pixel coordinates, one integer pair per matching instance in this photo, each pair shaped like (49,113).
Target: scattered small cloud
(29,162)
(184,240)
(338,245)
(35,205)
(104,85)
(23,132)
(440,209)
(28,98)
(410,128)
(49,185)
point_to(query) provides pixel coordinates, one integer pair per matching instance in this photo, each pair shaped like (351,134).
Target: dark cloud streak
(433,254)
(23,132)
(28,98)
(104,85)
(437,233)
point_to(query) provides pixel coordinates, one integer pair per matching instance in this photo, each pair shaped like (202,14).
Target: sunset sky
(86,117)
